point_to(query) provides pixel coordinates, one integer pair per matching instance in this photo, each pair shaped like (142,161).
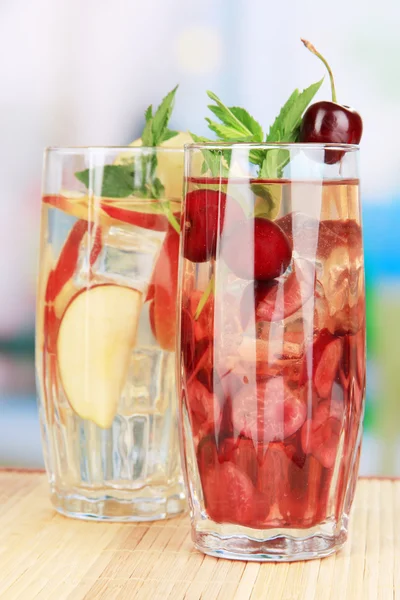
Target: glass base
(279,547)
(119,506)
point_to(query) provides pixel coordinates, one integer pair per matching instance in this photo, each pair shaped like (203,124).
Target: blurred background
(81,72)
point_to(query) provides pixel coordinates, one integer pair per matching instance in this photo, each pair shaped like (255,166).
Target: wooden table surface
(49,557)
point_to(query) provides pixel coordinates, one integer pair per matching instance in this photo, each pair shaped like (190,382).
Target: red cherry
(195,333)
(204,407)
(271,412)
(329,122)
(320,435)
(207,212)
(276,300)
(273,477)
(257,249)
(228,492)
(242,453)
(352,366)
(326,355)
(326,122)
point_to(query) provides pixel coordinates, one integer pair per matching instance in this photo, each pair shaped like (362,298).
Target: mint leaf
(121,181)
(147,134)
(218,111)
(212,158)
(274,162)
(148,113)
(276,128)
(251,124)
(286,125)
(295,113)
(162,116)
(169,134)
(229,118)
(117,180)
(286,128)
(156,128)
(251,129)
(227,133)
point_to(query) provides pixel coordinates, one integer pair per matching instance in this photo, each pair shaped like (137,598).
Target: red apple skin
(146,220)
(67,205)
(163,288)
(66,264)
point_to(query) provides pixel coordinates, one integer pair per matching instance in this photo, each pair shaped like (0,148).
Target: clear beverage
(272,364)
(105,342)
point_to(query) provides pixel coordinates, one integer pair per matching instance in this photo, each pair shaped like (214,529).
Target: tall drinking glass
(106,331)
(271,360)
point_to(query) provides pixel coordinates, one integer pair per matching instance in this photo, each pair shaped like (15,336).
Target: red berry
(242,453)
(204,407)
(228,492)
(273,477)
(257,249)
(326,355)
(276,300)
(271,412)
(320,435)
(329,122)
(206,213)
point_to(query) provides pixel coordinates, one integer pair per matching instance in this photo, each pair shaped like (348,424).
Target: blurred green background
(79,72)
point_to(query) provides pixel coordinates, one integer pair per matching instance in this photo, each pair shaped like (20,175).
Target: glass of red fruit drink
(106,325)
(271,348)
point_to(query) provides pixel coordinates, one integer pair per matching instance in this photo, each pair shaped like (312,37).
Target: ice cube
(126,256)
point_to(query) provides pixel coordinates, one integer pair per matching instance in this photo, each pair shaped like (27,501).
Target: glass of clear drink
(105,339)
(271,358)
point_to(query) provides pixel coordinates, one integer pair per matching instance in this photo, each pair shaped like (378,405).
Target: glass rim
(103,149)
(272,145)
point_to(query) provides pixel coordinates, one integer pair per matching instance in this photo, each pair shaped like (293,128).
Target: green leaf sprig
(156,127)
(126,179)
(237,125)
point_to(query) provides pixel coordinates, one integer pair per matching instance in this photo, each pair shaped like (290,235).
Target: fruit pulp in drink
(273,372)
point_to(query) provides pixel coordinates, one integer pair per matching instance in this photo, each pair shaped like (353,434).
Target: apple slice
(72,203)
(95,340)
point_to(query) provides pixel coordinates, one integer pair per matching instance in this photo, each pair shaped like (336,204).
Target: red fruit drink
(272,364)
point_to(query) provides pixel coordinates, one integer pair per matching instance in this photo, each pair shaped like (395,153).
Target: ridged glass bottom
(148,504)
(130,471)
(274,545)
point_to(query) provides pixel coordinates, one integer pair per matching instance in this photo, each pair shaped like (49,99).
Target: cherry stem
(312,49)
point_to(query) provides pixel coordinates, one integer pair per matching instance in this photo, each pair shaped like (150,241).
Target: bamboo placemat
(48,557)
